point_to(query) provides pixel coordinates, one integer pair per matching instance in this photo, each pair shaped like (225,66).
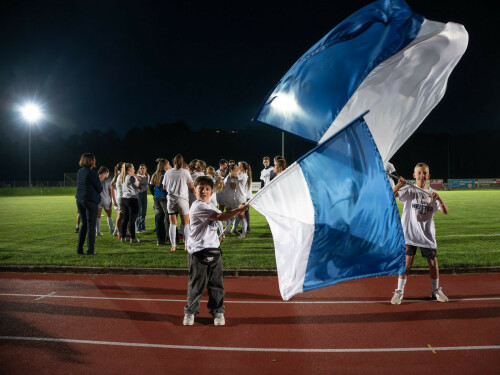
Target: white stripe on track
(226,301)
(239,349)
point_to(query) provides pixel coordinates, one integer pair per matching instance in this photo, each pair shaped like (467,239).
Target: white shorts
(177,206)
(106,205)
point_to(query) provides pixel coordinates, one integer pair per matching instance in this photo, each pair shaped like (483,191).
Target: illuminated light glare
(285,103)
(31,113)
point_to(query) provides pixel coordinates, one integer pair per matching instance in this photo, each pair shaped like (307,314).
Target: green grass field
(39,230)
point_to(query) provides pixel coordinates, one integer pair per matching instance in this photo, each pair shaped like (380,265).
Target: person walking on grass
(420,205)
(204,253)
(88,196)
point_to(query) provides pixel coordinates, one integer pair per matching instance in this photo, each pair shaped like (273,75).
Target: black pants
(88,214)
(130,211)
(201,276)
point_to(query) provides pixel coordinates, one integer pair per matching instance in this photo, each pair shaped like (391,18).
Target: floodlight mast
(31,114)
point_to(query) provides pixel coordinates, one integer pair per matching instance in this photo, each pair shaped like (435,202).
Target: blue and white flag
(384,58)
(333,215)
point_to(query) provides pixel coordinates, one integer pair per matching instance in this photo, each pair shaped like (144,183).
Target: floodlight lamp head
(31,113)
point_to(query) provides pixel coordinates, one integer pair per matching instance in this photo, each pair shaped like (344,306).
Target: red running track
(102,324)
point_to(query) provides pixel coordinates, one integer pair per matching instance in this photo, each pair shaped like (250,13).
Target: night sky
(123,64)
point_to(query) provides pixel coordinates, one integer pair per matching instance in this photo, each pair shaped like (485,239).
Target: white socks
(172,231)
(435,284)
(401,284)
(186,234)
(110,223)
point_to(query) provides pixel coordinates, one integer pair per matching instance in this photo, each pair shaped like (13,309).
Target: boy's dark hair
(222,161)
(204,180)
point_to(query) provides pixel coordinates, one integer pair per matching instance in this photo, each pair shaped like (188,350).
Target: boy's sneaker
(397,297)
(188,319)
(219,319)
(135,240)
(438,295)
(99,234)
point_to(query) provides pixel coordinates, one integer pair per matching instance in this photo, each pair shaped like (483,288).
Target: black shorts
(426,253)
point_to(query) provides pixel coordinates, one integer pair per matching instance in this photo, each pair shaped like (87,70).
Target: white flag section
(403,90)
(333,215)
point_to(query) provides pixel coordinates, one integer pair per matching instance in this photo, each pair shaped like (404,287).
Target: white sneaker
(438,295)
(219,319)
(99,234)
(397,297)
(135,240)
(188,319)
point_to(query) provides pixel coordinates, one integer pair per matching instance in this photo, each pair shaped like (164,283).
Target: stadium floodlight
(31,113)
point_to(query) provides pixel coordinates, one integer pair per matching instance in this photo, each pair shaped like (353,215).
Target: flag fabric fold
(333,215)
(383,58)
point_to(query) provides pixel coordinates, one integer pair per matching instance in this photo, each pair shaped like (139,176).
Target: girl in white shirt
(178,183)
(105,201)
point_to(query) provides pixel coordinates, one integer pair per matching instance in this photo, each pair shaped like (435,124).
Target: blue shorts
(426,253)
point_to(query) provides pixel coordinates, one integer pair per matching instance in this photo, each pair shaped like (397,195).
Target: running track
(103,324)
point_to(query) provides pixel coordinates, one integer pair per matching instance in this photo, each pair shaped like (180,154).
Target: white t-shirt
(234,196)
(130,187)
(203,230)
(105,196)
(265,175)
(177,181)
(417,219)
(119,186)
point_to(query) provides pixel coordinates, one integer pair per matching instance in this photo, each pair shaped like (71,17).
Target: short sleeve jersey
(177,181)
(203,230)
(417,218)
(265,175)
(106,186)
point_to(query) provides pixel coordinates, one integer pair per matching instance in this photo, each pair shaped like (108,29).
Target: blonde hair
(220,182)
(125,168)
(421,165)
(248,170)
(160,168)
(118,168)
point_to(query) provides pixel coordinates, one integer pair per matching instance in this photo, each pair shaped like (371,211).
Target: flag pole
(418,188)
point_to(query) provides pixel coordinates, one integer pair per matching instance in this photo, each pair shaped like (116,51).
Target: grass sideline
(39,230)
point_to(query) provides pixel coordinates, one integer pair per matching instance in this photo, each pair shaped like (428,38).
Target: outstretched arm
(443,207)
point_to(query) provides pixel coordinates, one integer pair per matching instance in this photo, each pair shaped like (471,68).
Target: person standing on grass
(88,196)
(160,201)
(265,174)
(178,183)
(140,222)
(204,254)
(420,205)
(130,187)
(116,190)
(105,201)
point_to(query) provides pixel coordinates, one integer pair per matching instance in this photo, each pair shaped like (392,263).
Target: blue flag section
(312,93)
(358,230)
(384,58)
(333,215)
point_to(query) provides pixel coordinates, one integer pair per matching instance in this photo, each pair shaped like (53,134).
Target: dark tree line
(449,156)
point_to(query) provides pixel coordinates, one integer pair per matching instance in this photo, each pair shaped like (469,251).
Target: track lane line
(51,295)
(243,349)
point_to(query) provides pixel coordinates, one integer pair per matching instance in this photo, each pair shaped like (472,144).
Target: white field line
(242,349)
(470,235)
(243,302)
